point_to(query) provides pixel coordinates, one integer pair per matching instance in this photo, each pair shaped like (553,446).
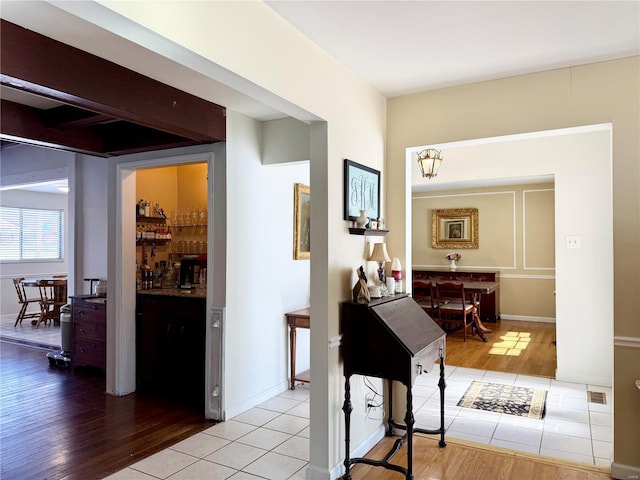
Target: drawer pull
(82,332)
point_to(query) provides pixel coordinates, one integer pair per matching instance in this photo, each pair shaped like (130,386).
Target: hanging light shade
(429,160)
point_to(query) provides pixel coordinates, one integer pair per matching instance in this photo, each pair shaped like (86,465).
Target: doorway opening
(173,169)
(580,163)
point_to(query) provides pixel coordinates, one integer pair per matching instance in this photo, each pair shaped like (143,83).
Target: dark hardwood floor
(60,424)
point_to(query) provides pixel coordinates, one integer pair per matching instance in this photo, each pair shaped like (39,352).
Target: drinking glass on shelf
(203,216)
(195,215)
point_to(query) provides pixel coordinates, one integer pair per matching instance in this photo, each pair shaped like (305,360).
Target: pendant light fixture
(429,160)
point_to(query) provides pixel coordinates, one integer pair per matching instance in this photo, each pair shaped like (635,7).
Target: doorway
(580,161)
(121,337)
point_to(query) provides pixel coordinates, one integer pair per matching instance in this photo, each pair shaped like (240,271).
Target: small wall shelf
(368,232)
(150,220)
(149,241)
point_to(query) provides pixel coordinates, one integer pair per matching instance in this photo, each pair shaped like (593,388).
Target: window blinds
(31,234)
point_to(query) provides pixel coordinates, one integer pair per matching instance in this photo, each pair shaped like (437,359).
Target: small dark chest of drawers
(88,332)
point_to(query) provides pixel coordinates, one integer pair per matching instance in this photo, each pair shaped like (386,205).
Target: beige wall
(584,95)
(516,236)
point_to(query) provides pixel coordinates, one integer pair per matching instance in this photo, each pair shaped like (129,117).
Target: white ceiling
(402,47)
(398,47)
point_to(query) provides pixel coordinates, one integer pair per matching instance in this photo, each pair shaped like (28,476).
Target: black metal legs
(347,408)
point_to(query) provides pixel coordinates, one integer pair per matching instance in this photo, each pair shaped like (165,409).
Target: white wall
(267,282)
(92,208)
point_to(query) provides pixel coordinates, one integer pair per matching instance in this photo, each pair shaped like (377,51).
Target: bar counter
(176,292)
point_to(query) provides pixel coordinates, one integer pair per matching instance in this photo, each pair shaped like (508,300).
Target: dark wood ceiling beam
(71,117)
(124,138)
(40,65)
(23,124)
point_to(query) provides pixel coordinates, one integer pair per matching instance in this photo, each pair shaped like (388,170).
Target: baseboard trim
(624,472)
(527,318)
(236,410)
(360,451)
(586,379)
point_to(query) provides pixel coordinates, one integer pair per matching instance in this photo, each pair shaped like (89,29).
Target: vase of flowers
(453,257)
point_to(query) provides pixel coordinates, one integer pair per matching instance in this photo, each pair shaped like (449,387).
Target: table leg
(347,408)
(476,320)
(292,350)
(409,421)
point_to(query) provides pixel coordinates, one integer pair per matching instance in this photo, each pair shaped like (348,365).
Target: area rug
(509,399)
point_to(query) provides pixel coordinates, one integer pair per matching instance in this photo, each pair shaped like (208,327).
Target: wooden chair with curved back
(454,306)
(424,295)
(53,295)
(24,301)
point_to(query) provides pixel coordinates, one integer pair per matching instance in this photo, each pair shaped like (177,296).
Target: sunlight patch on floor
(511,344)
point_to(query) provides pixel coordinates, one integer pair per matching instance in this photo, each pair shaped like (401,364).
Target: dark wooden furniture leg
(292,349)
(347,408)
(409,420)
(481,329)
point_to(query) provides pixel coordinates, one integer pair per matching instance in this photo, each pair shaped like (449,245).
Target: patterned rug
(509,399)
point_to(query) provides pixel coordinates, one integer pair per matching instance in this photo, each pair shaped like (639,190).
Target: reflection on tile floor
(272,440)
(572,429)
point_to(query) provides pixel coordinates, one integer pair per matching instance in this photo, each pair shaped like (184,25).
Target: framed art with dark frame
(361,190)
(302,222)
(454,228)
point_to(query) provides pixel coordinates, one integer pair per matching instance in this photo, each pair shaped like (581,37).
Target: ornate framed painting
(302,222)
(454,228)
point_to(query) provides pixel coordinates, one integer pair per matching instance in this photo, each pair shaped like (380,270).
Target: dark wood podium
(394,339)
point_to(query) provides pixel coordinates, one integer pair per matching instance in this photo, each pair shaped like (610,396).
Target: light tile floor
(272,440)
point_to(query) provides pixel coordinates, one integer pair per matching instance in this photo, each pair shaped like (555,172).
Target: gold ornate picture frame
(454,228)
(302,222)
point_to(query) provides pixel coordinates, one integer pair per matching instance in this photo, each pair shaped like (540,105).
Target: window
(31,234)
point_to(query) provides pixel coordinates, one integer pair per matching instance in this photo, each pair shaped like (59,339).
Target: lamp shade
(379,253)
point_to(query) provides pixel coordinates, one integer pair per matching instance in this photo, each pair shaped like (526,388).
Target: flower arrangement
(453,256)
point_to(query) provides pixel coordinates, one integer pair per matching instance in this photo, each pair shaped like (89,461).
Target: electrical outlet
(368,401)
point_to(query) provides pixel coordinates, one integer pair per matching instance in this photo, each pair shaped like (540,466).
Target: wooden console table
(297,319)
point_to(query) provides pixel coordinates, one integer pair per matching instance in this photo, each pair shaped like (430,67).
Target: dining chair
(424,295)
(454,306)
(24,302)
(53,295)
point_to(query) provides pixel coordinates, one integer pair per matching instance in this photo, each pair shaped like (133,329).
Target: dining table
(473,287)
(57,300)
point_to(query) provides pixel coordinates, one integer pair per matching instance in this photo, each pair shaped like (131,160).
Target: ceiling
(402,47)
(398,47)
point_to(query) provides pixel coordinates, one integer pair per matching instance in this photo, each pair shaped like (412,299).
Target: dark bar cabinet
(394,339)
